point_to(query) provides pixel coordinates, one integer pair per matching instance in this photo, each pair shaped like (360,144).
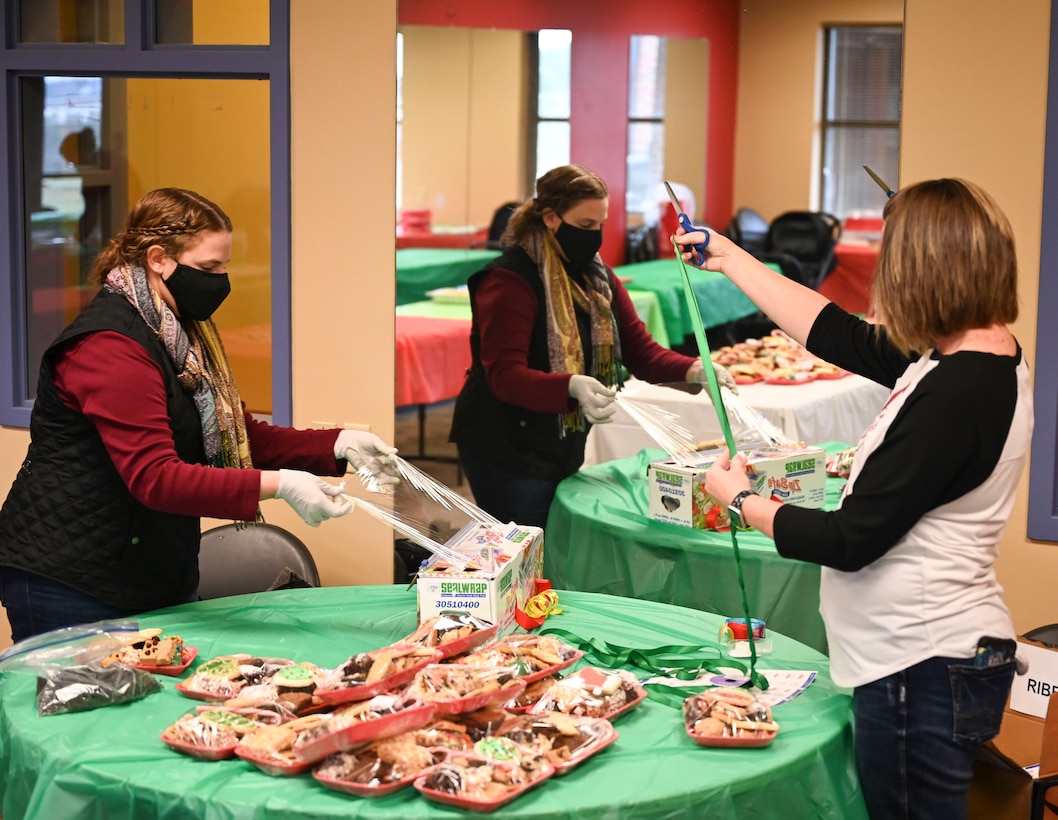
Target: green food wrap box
(790,474)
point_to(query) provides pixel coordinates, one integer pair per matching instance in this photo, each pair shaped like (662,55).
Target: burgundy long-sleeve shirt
(112,381)
(507,308)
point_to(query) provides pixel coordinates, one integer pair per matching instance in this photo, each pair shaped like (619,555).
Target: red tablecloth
(429,239)
(432,359)
(849,285)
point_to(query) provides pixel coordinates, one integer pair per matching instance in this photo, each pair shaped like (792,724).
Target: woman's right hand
(596,400)
(311,497)
(716,252)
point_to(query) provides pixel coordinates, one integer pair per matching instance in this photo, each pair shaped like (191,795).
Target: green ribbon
(725,426)
(683,662)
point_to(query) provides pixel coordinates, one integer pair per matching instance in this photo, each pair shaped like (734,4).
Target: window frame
(139,56)
(1043,463)
(826,124)
(533,116)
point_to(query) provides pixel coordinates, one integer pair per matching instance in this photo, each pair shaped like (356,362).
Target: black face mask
(197,293)
(578,244)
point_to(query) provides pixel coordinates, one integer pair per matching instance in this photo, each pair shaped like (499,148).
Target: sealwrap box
(793,475)
(1002,788)
(506,561)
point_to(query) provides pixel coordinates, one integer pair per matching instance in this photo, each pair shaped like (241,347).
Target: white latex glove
(365,450)
(696,373)
(596,400)
(311,497)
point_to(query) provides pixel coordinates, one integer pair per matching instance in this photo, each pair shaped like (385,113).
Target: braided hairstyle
(559,189)
(170,217)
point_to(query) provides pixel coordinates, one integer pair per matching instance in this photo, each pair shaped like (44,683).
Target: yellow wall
(779,62)
(955,65)
(343,142)
(685,125)
(464,124)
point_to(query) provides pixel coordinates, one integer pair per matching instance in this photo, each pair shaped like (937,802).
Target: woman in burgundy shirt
(552,330)
(137,431)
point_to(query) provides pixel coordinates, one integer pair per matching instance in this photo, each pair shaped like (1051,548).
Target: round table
(600,538)
(110,763)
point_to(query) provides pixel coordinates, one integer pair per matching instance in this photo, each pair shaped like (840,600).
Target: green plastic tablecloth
(600,538)
(109,763)
(423,269)
(646,304)
(719,300)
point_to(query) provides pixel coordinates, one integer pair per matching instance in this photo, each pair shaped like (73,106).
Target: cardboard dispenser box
(793,475)
(1002,787)
(505,563)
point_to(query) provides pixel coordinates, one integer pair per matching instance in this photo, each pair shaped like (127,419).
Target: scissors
(697,251)
(888,191)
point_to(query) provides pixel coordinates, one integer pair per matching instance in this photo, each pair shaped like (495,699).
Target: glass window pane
(646,164)
(848,188)
(60,21)
(92,146)
(211,22)
(553,97)
(646,77)
(862,85)
(864,68)
(552,146)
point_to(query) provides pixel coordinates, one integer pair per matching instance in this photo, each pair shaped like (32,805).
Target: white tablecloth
(835,410)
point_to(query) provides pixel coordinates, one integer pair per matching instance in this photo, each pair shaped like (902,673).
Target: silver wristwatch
(734,510)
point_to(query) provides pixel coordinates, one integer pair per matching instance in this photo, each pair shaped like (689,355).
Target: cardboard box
(1032,691)
(1002,788)
(792,475)
(506,563)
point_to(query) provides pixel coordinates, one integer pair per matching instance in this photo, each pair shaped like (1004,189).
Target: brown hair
(559,189)
(946,264)
(170,217)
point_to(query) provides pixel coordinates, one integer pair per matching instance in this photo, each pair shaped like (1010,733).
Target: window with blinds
(860,117)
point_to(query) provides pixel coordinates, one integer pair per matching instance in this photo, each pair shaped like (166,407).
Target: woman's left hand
(726,478)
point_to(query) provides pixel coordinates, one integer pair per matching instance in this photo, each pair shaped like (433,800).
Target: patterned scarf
(564,349)
(202,368)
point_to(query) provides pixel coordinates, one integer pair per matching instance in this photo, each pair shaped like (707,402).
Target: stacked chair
(803,244)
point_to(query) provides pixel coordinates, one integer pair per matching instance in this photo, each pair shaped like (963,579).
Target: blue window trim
(1043,472)
(138,57)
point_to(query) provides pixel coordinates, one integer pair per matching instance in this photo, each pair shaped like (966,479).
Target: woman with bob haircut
(914,615)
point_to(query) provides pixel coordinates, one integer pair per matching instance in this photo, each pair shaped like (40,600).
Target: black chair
(500,219)
(747,229)
(811,238)
(238,558)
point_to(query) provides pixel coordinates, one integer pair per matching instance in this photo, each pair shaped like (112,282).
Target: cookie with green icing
(220,668)
(298,677)
(229,720)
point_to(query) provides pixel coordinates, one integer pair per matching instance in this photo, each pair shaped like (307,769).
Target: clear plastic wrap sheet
(420,509)
(683,440)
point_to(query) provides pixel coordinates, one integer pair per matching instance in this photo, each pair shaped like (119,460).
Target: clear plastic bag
(69,669)
(80,687)
(77,644)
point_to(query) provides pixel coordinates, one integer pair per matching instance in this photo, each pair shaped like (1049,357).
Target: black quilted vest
(70,517)
(525,442)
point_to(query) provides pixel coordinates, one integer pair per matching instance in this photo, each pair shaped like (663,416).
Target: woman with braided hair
(138,431)
(552,328)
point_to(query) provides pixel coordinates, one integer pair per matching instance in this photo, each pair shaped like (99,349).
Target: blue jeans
(918,732)
(36,604)
(505,495)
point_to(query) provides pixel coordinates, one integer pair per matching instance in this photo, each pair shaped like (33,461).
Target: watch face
(734,511)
